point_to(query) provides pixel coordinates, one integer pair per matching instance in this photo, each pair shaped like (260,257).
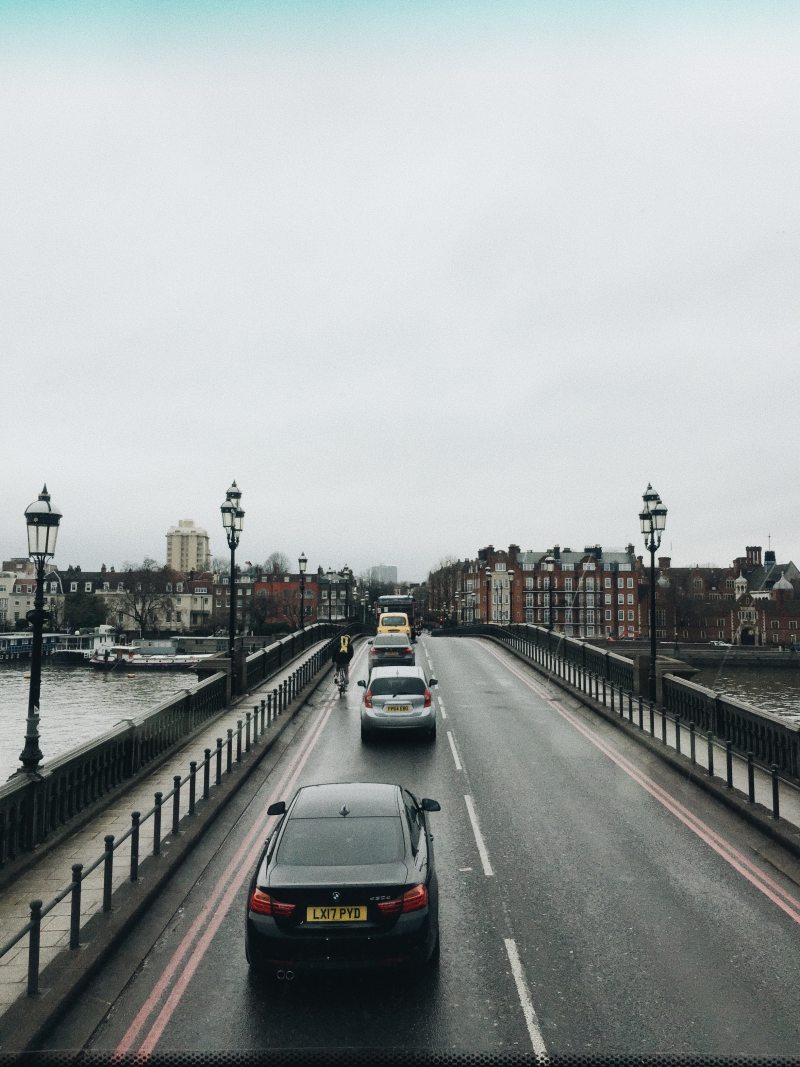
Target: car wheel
(366,735)
(432,733)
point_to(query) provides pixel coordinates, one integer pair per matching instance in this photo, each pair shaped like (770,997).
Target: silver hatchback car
(398,698)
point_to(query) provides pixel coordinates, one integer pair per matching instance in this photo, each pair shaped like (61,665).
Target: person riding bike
(342,654)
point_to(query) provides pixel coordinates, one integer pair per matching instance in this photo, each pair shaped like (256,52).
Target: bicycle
(340,680)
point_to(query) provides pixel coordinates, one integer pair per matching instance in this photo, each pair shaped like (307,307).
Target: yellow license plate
(397,707)
(338,913)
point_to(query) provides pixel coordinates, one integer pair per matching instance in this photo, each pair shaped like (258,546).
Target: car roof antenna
(344,810)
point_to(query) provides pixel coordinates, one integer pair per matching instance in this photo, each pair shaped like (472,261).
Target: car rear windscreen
(394,620)
(381,687)
(391,641)
(341,842)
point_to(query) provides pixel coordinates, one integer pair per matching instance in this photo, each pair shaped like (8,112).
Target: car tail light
(428,699)
(368,699)
(411,900)
(263,903)
(408,651)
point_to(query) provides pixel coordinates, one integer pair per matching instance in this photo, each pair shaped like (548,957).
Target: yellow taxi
(394,622)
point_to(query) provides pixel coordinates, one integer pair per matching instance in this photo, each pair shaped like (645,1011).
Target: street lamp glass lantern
(650,498)
(302,563)
(238,520)
(659,514)
(234,494)
(647,523)
(227,510)
(42,519)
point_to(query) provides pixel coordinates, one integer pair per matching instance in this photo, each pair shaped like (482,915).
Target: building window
(630,598)
(620,598)
(607,582)
(621,616)
(590,583)
(620,583)
(529,583)
(499,566)
(630,583)
(630,616)
(568,585)
(73,587)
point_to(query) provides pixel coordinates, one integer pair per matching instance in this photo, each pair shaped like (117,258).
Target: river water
(77,704)
(777,691)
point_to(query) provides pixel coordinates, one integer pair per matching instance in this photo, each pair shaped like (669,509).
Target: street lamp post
(302,563)
(653,519)
(42,520)
(488,594)
(510,596)
(348,574)
(232,522)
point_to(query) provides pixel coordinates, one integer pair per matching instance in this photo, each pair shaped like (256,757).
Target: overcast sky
(421,277)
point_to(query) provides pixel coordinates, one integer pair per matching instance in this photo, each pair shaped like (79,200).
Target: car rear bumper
(410,941)
(417,720)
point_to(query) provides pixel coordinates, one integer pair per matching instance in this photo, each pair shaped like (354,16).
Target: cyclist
(342,654)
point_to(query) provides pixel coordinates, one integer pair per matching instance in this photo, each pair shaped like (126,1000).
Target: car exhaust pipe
(290,976)
(280,975)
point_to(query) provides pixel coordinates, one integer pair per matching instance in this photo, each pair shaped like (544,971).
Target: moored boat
(83,644)
(128,658)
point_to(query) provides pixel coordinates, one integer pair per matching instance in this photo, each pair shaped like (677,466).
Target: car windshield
(341,842)
(396,686)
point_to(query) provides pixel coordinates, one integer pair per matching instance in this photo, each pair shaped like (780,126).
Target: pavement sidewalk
(45,879)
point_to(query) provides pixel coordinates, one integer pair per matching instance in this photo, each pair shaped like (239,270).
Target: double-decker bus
(399,602)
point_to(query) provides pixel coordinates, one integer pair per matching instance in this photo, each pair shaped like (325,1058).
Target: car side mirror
(361,682)
(433,681)
(430,805)
(278,808)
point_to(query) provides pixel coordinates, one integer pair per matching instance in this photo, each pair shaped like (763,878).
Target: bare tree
(145,597)
(276,563)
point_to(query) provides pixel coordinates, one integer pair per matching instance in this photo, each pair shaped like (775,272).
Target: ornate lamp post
(511,596)
(302,563)
(232,521)
(653,519)
(42,520)
(348,576)
(488,594)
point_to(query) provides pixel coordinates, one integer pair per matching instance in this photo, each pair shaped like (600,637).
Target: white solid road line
(441,708)
(523,993)
(454,751)
(484,855)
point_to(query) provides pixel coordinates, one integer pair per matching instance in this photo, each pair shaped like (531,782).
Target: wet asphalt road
(591,901)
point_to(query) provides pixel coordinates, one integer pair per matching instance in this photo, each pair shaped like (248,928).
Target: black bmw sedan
(346,879)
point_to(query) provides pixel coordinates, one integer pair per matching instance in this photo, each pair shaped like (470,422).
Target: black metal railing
(32,808)
(180,803)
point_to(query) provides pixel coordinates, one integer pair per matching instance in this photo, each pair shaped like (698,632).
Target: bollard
(135,831)
(75,907)
(641,712)
(238,740)
(176,803)
(776,811)
(729,763)
(663,727)
(247,731)
(630,709)
(192,784)
(604,692)
(206,772)
(269,711)
(229,752)
(275,703)
(108,871)
(157,825)
(678,734)
(692,741)
(263,708)
(751,779)
(255,724)
(219,760)
(34,940)
(710,739)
